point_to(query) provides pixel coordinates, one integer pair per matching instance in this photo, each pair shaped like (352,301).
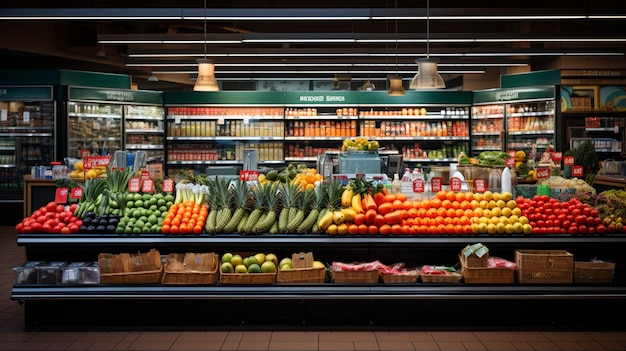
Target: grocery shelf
(316,291)
(95,115)
(533,132)
(145,131)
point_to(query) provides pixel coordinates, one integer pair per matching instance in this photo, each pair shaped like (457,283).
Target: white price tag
(220,121)
(4,115)
(177,120)
(26,116)
(246,120)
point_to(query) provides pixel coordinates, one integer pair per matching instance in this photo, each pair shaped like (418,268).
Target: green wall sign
(116,95)
(26,93)
(235,98)
(547,77)
(414,97)
(342,98)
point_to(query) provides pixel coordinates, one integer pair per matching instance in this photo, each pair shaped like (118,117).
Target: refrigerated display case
(529,115)
(27,135)
(102,121)
(487,128)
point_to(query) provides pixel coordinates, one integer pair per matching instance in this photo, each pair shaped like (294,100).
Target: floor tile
(475,346)
(34,346)
(293,346)
(366,346)
(604,336)
(196,346)
(453,336)
(404,336)
(567,336)
(451,346)
(336,345)
(297,336)
(347,336)
(103,345)
(544,346)
(230,345)
(395,345)
(150,345)
(202,336)
(426,346)
(499,345)
(569,345)
(253,345)
(612,345)
(522,346)
(256,336)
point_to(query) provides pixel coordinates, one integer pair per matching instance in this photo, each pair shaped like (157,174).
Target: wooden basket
(544,259)
(451,278)
(486,275)
(247,278)
(197,268)
(545,276)
(390,278)
(593,272)
(125,268)
(356,277)
(301,275)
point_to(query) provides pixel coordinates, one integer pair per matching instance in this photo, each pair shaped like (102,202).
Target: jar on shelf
(59,170)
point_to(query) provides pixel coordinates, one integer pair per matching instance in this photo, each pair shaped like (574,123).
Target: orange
(460,197)
(446,203)
(432,213)
(459,212)
(398,205)
(465,205)
(401,197)
(422,212)
(435,203)
(451,212)
(450,195)
(469,196)
(455,204)
(441,195)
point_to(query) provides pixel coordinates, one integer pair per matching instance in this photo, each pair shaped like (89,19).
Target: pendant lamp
(206,69)
(395,81)
(395,86)
(427,76)
(367,86)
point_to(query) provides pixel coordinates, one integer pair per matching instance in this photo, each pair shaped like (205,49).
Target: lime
(163,209)
(152,219)
(169,204)
(226,257)
(241,269)
(140,223)
(227,267)
(169,198)
(146,197)
(254,268)
(139,203)
(119,229)
(158,213)
(132,220)
(156,228)
(137,196)
(146,230)
(143,219)
(268,267)
(236,260)
(130,204)
(136,230)
(128,230)
(160,202)
(153,208)
(136,213)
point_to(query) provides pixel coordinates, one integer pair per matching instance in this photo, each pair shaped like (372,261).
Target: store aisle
(13,335)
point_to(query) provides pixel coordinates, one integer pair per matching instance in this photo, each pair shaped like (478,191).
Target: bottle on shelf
(407,183)
(396,184)
(506,180)
(494,182)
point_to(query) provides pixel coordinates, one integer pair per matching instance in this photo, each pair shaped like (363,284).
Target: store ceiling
(319,40)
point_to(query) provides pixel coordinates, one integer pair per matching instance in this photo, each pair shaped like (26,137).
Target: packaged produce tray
(486,275)
(593,272)
(125,268)
(410,277)
(356,277)
(191,268)
(449,278)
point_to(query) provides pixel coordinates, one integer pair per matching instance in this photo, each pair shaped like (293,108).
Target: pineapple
(271,204)
(327,218)
(259,200)
(224,195)
(289,194)
(319,208)
(213,201)
(311,204)
(240,198)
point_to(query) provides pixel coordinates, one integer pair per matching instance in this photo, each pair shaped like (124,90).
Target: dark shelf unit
(322,305)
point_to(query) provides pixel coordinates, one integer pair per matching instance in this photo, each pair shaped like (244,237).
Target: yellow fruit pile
(80,173)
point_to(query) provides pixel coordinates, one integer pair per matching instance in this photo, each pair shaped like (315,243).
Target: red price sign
(77,193)
(360,175)
(510,162)
(145,174)
(248,175)
(578,171)
(511,153)
(418,186)
(134,184)
(543,173)
(60,196)
(96,161)
(340,177)
(455,184)
(568,160)
(168,185)
(480,185)
(435,184)
(147,186)
(84,153)
(557,156)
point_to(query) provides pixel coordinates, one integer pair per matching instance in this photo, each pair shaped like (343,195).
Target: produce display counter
(419,304)
(605,181)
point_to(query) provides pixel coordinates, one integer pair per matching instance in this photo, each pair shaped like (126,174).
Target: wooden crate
(544,259)
(247,278)
(545,276)
(125,268)
(450,278)
(302,275)
(197,268)
(593,272)
(486,275)
(390,278)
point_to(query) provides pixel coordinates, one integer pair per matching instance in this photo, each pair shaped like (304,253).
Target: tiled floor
(13,335)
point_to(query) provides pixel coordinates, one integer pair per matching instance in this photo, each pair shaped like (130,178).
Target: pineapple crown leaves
(240,194)
(308,199)
(272,200)
(223,194)
(320,196)
(289,194)
(335,188)
(258,194)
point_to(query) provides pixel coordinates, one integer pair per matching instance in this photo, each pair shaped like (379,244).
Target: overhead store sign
(38,93)
(516,94)
(321,98)
(116,95)
(593,77)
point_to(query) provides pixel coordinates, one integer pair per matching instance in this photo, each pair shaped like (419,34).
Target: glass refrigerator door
(94,129)
(487,128)
(144,131)
(26,140)
(530,127)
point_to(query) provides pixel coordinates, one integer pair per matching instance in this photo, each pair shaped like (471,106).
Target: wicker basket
(450,278)
(390,278)
(544,266)
(247,278)
(124,268)
(544,259)
(301,275)
(486,275)
(356,277)
(593,272)
(197,269)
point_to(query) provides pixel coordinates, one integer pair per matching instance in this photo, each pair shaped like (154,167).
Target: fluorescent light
(288,40)
(182,64)
(330,72)
(139,41)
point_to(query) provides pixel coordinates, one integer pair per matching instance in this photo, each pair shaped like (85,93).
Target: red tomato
(19,227)
(65,230)
(60,208)
(582,229)
(580,219)
(73,228)
(572,230)
(51,207)
(36,227)
(46,228)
